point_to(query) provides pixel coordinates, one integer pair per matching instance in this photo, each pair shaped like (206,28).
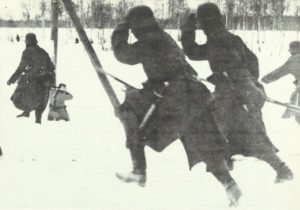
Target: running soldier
(238,95)
(171,105)
(35,75)
(290,67)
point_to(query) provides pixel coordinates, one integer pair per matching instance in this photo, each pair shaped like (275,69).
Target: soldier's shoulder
(42,50)
(28,51)
(236,40)
(294,58)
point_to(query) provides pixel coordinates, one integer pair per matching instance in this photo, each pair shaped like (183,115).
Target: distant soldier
(76,40)
(171,105)
(18,38)
(58,109)
(290,67)
(35,75)
(238,95)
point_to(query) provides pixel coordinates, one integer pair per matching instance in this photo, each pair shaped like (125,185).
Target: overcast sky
(12,9)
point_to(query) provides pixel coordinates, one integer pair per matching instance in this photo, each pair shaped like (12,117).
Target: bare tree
(230,6)
(26,11)
(44,8)
(122,8)
(277,8)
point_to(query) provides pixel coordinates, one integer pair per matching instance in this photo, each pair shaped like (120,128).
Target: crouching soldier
(238,95)
(171,105)
(290,67)
(58,109)
(35,74)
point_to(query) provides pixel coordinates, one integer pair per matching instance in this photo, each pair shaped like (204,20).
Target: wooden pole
(92,54)
(54,27)
(54,32)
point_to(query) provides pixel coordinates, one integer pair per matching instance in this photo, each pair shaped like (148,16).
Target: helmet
(30,38)
(140,17)
(208,12)
(295,47)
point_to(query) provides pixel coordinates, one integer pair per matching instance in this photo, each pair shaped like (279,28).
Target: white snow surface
(72,165)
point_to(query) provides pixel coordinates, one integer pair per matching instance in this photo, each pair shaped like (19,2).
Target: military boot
(140,179)
(138,173)
(24,114)
(233,194)
(284,173)
(38,117)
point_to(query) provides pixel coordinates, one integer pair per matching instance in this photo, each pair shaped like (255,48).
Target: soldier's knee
(216,163)
(127,114)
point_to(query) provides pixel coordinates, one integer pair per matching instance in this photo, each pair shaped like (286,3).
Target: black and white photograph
(150,104)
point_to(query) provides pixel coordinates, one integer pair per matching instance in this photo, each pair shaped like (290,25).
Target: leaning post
(92,54)
(54,30)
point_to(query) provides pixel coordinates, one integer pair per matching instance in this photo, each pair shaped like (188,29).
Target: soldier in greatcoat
(290,67)
(239,96)
(171,105)
(35,74)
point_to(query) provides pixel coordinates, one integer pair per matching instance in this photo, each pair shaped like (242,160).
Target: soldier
(167,108)
(238,95)
(58,109)
(18,38)
(292,67)
(35,75)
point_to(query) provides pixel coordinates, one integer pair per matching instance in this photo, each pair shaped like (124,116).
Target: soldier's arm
(124,52)
(193,50)
(67,96)
(282,71)
(251,58)
(21,68)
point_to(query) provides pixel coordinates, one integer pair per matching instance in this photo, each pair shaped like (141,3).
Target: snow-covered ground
(71,165)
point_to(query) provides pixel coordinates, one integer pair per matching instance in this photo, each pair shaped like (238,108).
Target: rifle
(153,106)
(287,105)
(270,100)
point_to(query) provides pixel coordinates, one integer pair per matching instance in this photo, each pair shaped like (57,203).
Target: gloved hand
(123,25)
(189,23)
(265,80)
(9,82)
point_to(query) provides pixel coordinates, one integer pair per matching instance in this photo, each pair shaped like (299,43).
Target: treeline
(238,14)
(238,23)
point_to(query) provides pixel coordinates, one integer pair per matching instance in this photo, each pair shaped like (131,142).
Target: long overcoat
(34,74)
(235,73)
(182,111)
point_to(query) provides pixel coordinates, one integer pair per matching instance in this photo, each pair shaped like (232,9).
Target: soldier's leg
(41,107)
(216,165)
(138,158)
(284,173)
(138,173)
(263,149)
(38,115)
(137,153)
